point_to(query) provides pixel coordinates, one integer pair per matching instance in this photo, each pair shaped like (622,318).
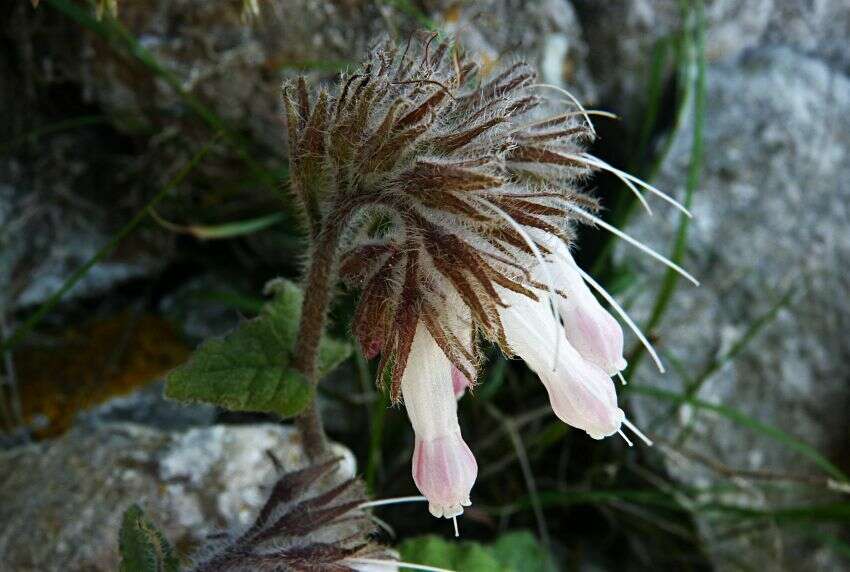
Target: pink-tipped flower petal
(589,327)
(580,392)
(444,468)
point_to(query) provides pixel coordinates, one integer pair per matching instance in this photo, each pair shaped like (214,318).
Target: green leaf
(143,547)
(436,551)
(247,370)
(520,550)
(512,552)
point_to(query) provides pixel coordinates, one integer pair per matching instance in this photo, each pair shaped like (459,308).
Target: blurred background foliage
(144,181)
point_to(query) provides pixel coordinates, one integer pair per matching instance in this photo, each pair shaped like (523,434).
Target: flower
(580,392)
(456,197)
(444,468)
(589,328)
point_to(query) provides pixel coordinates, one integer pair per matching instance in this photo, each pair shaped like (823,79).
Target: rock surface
(817,28)
(771,213)
(148,406)
(61,501)
(547,33)
(48,229)
(621,36)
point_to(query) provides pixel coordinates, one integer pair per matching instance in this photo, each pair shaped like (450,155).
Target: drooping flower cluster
(456,197)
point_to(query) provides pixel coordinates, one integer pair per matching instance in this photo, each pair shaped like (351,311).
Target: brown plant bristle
(416,136)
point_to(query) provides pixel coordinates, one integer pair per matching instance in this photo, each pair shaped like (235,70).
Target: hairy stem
(318,292)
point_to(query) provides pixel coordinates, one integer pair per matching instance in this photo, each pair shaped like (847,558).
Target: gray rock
(621,35)
(236,66)
(51,225)
(818,28)
(148,406)
(200,318)
(61,502)
(771,212)
(546,32)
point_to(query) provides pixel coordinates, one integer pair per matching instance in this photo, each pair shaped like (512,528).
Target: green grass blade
(693,386)
(660,54)
(627,203)
(671,278)
(377,421)
(752,331)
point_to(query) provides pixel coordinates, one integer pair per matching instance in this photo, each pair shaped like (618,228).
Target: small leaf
(441,553)
(247,370)
(143,547)
(512,552)
(520,550)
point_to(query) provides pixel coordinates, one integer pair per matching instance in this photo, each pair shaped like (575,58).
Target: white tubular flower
(589,328)
(581,393)
(444,469)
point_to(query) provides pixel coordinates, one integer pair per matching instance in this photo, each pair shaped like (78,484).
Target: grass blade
(223,230)
(671,279)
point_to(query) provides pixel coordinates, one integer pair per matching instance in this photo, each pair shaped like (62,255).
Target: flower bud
(581,394)
(444,469)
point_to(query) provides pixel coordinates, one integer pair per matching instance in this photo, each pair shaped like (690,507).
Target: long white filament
(395,564)
(617,173)
(572,98)
(550,283)
(586,112)
(637,432)
(617,308)
(664,260)
(396,500)
(626,178)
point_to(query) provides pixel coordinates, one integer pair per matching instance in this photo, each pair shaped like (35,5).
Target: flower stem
(312,431)
(318,289)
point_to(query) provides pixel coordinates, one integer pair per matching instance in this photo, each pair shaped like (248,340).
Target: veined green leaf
(248,370)
(143,547)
